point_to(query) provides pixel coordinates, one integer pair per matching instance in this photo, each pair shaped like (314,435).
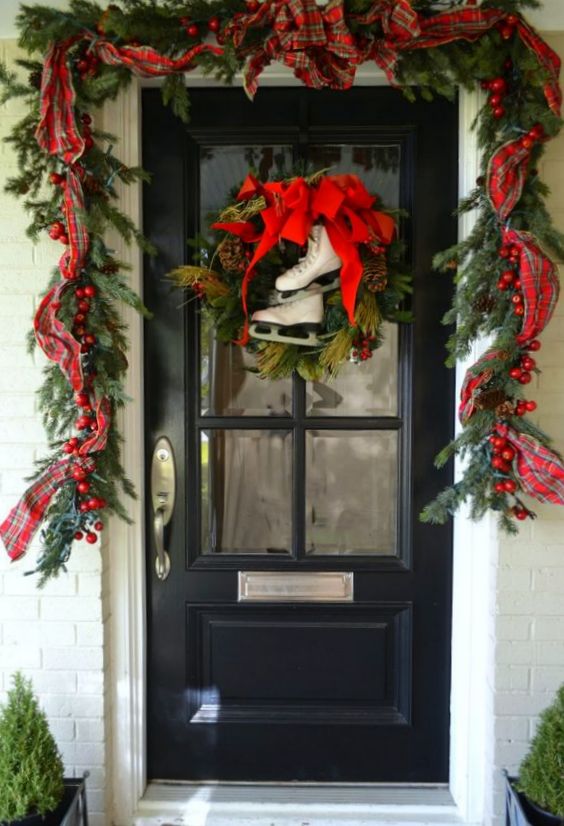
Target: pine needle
(367,314)
(189,276)
(338,350)
(242,211)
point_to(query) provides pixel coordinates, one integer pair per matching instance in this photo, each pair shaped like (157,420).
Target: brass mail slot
(296,586)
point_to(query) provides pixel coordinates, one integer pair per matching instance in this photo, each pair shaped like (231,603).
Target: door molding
(475,546)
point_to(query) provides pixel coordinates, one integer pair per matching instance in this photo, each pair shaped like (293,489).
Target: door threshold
(269,804)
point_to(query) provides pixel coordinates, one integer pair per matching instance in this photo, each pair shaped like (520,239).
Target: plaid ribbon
(548,59)
(55,340)
(21,524)
(478,375)
(314,42)
(57,132)
(147,62)
(541,470)
(74,257)
(507,172)
(539,284)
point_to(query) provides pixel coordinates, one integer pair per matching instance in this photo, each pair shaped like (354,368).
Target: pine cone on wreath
(375,275)
(490,399)
(484,303)
(231,254)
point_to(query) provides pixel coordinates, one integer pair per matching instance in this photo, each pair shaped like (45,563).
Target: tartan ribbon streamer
(507,173)
(55,340)
(73,259)
(474,379)
(539,284)
(340,202)
(57,132)
(21,524)
(541,471)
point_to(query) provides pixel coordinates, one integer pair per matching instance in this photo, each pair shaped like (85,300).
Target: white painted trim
(473,554)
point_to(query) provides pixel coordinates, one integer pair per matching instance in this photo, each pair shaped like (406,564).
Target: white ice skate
(294,323)
(320,264)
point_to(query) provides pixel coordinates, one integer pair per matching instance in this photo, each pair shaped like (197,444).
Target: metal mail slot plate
(296,586)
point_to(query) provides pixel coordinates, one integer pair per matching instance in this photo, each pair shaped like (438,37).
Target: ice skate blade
(268,331)
(329,281)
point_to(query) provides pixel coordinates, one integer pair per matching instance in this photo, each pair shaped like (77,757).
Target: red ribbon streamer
(541,471)
(55,340)
(340,202)
(539,284)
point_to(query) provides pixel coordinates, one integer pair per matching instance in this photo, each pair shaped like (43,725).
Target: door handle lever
(163,494)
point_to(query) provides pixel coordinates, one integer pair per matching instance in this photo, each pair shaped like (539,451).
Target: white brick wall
(55,636)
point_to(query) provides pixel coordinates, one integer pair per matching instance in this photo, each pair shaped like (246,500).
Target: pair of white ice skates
(296,315)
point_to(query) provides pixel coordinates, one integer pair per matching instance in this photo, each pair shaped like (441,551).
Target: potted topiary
(537,796)
(32,787)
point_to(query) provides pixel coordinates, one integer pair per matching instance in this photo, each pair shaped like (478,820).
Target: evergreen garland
(172,27)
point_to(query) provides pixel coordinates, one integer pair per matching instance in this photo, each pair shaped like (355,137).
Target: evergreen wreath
(227,280)
(507,287)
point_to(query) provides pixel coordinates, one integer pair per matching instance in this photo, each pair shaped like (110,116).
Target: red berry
(88,142)
(82,66)
(78,535)
(91,538)
(515,373)
(79,330)
(514,251)
(517,284)
(84,348)
(83,305)
(86,119)
(90,291)
(67,448)
(510,485)
(498,463)
(517,298)
(101,503)
(99,525)
(504,251)
(536,133)
(499,442)
(512,20)
(83,487)
(498,112)
(507,32)
(90,339)
(83,507)
(519,310)
(531,406)
(79,473)
(499,487)
(498,85)
(193,30)
(79,292)
(508,276)
(495,101)
(83,422)
(56,178)
(502,285)
(184,21)
(82,399)
(520,514)
(93,503)
(528,363)
(534,345)
(213,24)
(64,239)
(508,454)
(525,378)
(252,6)
(526,142)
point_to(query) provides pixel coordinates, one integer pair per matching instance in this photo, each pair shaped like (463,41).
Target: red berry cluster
(507,27)
(502,458)
(509,279)
(87,64)
(362,348)
(83,296)
(192,29)
(497,87)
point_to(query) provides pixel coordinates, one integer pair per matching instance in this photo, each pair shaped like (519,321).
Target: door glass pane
(378,167)
(246,479)
(230,388)
(351,492)
(224,168)
(366,389)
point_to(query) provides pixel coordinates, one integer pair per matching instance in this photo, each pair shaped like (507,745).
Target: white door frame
(475,546)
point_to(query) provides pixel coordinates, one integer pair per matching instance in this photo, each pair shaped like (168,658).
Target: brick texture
(55,636)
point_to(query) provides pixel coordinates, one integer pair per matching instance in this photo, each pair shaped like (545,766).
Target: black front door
(325,479)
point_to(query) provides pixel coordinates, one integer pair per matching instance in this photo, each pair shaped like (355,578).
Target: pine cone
(484,303)
(110,267)
(231,254)
(35,79)
(490,399)
(504,410)
(375,275)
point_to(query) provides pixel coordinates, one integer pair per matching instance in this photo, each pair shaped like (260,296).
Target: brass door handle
(163,494)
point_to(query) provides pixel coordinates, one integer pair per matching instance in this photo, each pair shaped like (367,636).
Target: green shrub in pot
(31,769)
(541,777)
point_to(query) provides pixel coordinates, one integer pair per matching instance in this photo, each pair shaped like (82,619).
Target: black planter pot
(71,811)
(520,811)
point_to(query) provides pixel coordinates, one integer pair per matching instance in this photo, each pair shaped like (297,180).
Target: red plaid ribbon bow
(541,472)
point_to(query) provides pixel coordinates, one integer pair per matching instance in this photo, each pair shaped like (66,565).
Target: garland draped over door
(507,286)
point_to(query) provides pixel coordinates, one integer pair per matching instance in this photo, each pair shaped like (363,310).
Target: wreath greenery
(506,286)
(217,280)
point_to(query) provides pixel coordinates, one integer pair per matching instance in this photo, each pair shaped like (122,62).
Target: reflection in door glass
(351,492)
(378,167)
(229,387)
(366,389)
(246,491)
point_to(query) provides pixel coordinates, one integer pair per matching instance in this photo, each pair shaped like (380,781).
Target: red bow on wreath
(340,202)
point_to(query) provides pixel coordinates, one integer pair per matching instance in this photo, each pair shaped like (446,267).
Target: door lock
(163,494)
